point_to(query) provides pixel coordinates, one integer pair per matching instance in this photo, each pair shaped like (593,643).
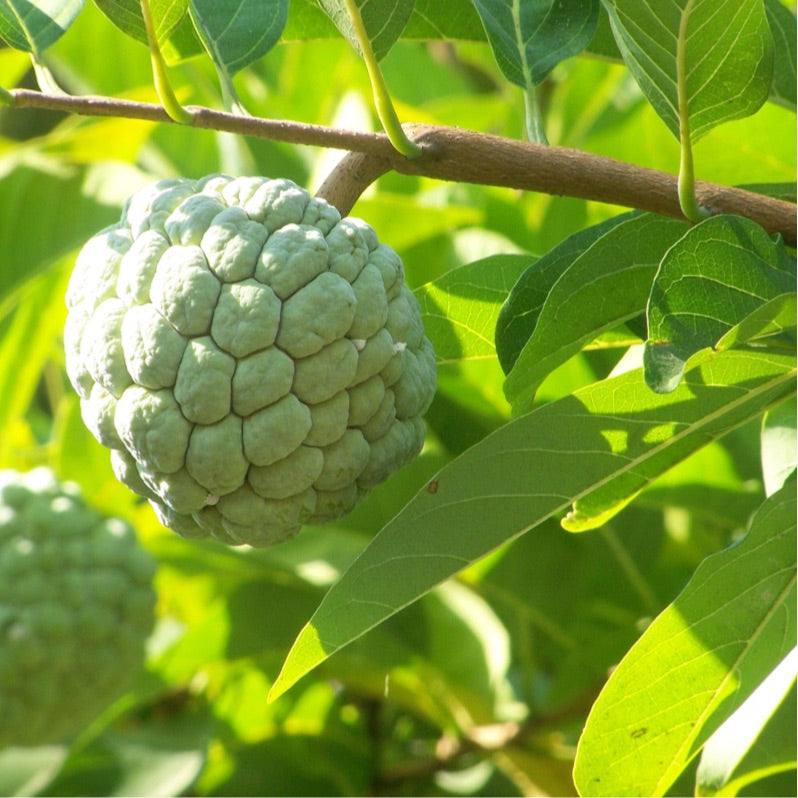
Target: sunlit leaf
(782,26)
(725,47)
(530,38)
(126,15)
(725,752)
(239,32)
(383,21)
(721,271)
(606,285)
(525,472)
(778,446)
(27,771)
(27,342)
(521,311)
(34,26)
(696,664)
(460,309)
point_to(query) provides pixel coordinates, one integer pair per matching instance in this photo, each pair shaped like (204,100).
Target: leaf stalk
(686,183)
(535,130)
(160,76)
(382,98)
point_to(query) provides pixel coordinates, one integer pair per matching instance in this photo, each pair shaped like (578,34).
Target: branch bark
(458,155)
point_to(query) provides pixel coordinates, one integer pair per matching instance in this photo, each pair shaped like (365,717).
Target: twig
(458,155)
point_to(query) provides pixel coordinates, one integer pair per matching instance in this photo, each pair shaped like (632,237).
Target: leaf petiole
(382,98)
(160,77)
(686,184)
(535,131)
(45,78)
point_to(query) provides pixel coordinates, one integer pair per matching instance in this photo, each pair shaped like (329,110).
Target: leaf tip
(305,654)
(663,366)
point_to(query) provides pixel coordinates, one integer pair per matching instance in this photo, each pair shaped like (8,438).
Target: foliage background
(481,687)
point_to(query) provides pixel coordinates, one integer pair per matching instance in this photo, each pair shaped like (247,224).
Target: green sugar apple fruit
(254,361)
(76,606)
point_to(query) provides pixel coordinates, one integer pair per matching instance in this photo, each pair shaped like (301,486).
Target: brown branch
(458,155)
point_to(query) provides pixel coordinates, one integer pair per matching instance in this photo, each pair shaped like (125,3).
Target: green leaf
(460,308)
(778,446)
(727,749)
(519,314)
(27,342)
(769,766)
(696,663)
(126,15)
(725,46)
(238,32)
(49,206)
(605,286)
(773,317)
(451,19)
(34,26)
(431,19)
(383,21)
(525,472)
(530,38)
(28,771)
(782,26)
(721,271)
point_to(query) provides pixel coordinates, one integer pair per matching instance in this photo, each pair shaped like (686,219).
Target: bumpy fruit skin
(254,361)
(76,606)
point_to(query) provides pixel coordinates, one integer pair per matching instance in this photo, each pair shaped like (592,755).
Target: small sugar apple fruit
(76,606)
(254,361)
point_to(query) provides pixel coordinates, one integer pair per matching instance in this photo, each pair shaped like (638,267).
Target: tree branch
(458,155)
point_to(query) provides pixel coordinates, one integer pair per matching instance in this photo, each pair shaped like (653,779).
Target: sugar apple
(254,361)
(76,605)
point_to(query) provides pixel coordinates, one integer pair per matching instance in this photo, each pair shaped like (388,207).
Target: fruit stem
(160,77)
(382,99)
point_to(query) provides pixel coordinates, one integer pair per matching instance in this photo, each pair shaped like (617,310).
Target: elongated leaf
(25,346)
(238,32)
(34,26)
(725,751)
(525,472)
(775,316)
(27,771)
(725,46)
(460,308)
(384,21)
(48,207)
(520,312)
(431,19)
(769,766)
(605,286)
(778,446)
(126,15)
(530,38)
(721,271)
(696,663)
(782,26)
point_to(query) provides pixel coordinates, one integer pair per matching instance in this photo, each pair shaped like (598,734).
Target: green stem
(230,98)
(6,97)
(160,77)
(535,131)
(44,77)
(687,198)
(382,99)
